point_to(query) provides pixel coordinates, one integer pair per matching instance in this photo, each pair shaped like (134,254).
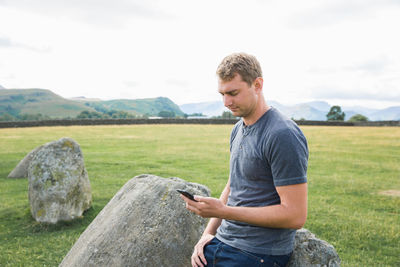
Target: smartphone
(187,194)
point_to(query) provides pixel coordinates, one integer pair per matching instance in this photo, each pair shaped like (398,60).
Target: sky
(345,52)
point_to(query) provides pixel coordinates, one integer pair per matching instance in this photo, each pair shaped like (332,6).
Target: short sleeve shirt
(272,152)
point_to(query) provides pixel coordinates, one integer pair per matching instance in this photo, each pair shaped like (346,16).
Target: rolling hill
(147,106)
(16,102)
(33,101)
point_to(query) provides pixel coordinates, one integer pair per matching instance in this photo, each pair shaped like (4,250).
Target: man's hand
(198,258)
(206,207)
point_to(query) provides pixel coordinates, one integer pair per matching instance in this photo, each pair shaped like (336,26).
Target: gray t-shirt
(272,152)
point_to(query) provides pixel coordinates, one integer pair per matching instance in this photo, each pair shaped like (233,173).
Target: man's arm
(215,222)
(290,213)
(198,258)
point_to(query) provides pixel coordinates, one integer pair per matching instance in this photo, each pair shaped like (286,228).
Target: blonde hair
(247,66)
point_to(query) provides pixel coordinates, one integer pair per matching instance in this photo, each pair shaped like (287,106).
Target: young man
(265,199)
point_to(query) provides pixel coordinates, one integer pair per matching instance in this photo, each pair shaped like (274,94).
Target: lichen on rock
(309,251)
(144,224)
(59,187)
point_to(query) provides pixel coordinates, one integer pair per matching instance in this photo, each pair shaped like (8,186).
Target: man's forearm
(276,216)
(214,223)
(212,226)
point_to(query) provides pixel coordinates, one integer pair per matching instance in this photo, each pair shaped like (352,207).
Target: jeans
(219,254)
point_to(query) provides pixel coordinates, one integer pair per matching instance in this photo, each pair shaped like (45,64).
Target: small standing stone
(21,170)
(59,187)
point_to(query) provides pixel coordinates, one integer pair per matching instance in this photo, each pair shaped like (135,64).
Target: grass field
(348,168)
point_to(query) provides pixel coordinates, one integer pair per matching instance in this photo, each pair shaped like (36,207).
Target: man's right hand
(198,258)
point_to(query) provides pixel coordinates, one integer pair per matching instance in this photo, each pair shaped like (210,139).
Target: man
(265,199)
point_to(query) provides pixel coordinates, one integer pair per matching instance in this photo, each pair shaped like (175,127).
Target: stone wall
(15,124)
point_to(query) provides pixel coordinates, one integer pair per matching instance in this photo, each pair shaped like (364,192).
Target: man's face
(238,96)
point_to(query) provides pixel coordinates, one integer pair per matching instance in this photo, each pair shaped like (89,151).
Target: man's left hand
(206,207)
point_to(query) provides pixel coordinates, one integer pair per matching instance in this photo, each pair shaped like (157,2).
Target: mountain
(304,111)
(314,110)
(277,105)
(33,101)
(1,87)
(360,110)
(84,99)
(16,102)
(149,106)
(214,108)
(391,113)
(320,105)
(387,114)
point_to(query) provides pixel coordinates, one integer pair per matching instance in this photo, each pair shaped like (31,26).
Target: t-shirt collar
(247,128)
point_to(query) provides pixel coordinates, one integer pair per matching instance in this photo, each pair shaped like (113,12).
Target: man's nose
(227,100)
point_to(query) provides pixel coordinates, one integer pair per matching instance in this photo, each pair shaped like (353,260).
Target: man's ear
(258,84)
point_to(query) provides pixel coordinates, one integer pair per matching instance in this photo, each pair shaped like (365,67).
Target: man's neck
(256,115)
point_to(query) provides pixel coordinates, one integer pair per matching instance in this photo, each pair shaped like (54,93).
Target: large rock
(310,251)
(59,187)
(21,170)
(144,224)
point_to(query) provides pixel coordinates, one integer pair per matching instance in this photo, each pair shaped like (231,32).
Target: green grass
(348,168)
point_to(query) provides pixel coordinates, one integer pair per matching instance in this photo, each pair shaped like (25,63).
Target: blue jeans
(219,254)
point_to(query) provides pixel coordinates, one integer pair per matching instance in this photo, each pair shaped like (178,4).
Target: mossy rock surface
(59,187)
(144,224)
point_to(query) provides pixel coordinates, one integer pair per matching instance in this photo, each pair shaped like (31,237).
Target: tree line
(335,114)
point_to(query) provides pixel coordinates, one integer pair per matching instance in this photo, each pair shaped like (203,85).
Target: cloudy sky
(345,52)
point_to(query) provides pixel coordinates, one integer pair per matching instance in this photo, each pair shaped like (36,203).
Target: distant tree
(358,117)
(7,117)
(119,114)
(99,108)
(83,115)
(96,115)
(227,115)
(89,115)
(115,114)
(32,117)
(301,119)
(196,115)
(166,114)
(335,114)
